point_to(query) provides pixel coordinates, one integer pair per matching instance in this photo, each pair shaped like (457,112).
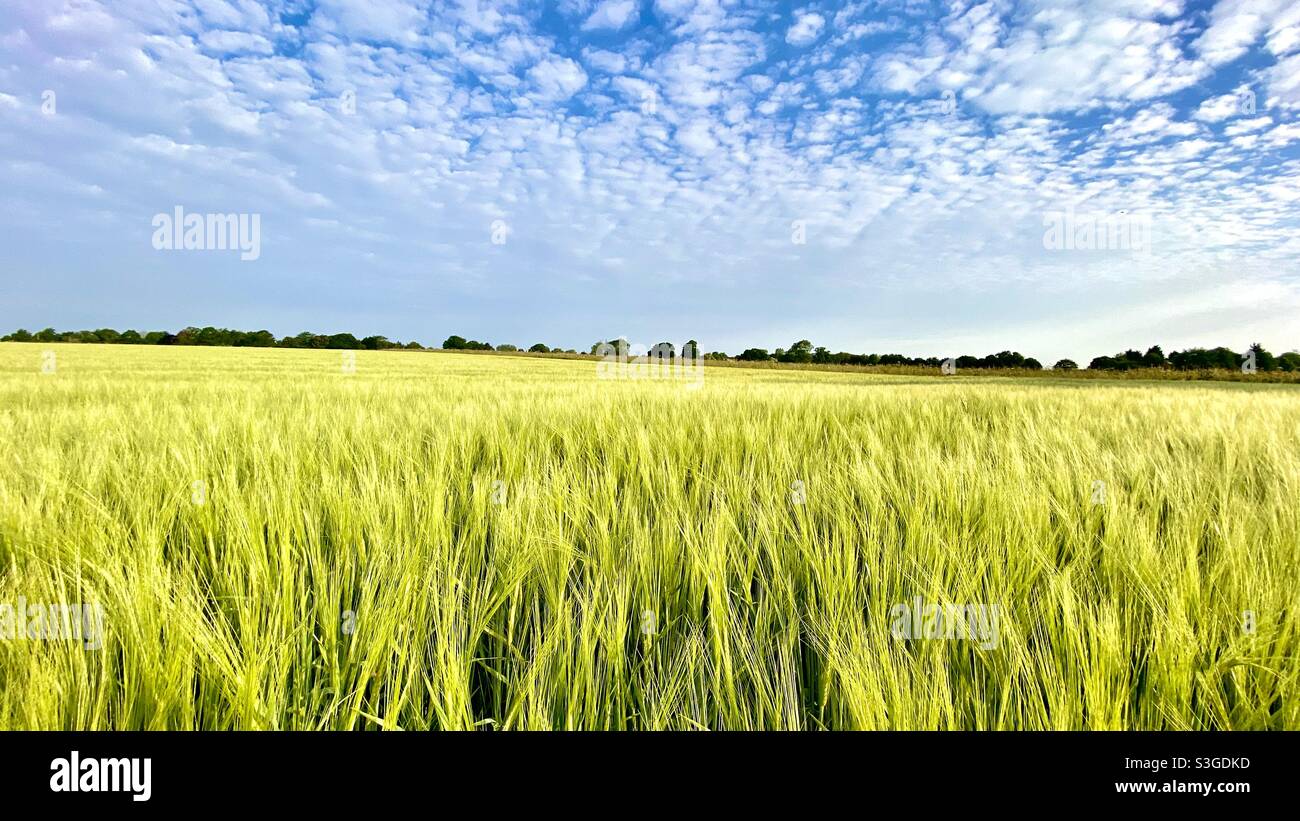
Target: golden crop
(275,539)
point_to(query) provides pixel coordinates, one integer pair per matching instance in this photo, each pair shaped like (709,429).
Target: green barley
(459,542)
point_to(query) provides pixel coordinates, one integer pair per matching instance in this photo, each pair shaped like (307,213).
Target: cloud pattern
(870,175)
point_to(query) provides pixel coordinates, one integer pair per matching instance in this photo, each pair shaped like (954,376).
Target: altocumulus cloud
(649,159)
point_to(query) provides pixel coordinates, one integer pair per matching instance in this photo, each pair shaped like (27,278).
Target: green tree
(800,352)
(343,342)
(1264,361)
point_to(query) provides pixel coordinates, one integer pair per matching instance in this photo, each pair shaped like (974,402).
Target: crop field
(277,539)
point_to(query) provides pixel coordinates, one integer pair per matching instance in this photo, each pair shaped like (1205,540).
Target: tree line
(801,352)
(460,343)
(1197,359)
(218,337)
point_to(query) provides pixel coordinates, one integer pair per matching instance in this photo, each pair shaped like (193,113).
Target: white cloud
(1149,124)
(611,14)
(230,42)
(1284,82)
(1059,58)
(698,73)
(558,78)
(609,62)
(397,21)
(1247,126)
(807,28)
(1235,25)
(1283,134)
(1224,106)
(697,138)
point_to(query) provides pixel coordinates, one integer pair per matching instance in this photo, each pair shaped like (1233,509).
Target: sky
(872,176)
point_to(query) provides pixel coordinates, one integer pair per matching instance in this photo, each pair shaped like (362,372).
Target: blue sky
(652,166)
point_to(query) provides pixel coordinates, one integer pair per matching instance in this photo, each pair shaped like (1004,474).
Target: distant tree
(1225,358)
(213,336)
(1289,361)
(414,346)
(20,335)
(454,343)
(754,355)
(1264,361)
(539,348)
(1006,359)
(716,356)
(1154,357)
(1032,364)
(800,352)
(343,342)
(252,339)
(304,339)
(1065,365)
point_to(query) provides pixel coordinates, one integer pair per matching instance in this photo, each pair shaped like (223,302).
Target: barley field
(274,539)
